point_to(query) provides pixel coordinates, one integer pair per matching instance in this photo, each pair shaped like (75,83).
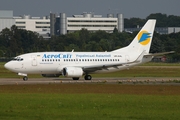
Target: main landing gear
(87,77)
(25,78)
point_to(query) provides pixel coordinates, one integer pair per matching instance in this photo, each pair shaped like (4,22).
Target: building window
(42,26)
(42,22)
(109,21)
(20,22)
(21,27)
(91,25)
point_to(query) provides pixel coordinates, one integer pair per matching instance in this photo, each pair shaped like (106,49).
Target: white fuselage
(54,62)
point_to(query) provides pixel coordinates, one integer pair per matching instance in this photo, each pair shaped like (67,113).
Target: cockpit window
(17,59)
(14,59)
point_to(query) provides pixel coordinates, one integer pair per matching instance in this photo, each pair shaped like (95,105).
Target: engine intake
(72,72)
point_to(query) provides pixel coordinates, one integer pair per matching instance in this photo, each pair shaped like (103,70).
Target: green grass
(93,101)
(88,106)
(160,64)
(89,101)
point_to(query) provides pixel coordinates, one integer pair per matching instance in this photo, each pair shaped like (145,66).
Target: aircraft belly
(39,70)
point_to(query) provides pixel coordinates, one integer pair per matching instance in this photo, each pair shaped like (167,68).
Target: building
(63,24)
(6,19)
(35,24)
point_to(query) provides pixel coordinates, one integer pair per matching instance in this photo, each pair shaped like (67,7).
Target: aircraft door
(34,60)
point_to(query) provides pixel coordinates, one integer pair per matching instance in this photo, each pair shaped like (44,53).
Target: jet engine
(72,72)
(51,75)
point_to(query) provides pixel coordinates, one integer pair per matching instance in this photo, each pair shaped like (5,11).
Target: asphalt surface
(130,80)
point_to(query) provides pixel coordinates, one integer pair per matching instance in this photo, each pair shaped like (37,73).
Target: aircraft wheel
(25,78)
(87,77)
(75,78)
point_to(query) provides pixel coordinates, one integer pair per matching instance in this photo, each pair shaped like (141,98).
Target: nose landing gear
(25,78)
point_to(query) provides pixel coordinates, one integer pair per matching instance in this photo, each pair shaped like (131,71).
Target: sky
(129,8)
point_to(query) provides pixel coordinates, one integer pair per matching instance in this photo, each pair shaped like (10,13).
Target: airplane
(78,64)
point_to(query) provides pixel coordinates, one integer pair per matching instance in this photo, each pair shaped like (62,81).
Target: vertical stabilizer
(143,39)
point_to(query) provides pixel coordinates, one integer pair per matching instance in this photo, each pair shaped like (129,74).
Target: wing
(89,69)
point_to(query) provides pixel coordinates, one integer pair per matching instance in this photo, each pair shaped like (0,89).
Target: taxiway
(129,80)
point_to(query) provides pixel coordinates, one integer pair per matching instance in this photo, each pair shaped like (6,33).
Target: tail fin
(143,39)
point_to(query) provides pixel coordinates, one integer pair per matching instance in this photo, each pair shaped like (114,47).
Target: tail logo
(144,37)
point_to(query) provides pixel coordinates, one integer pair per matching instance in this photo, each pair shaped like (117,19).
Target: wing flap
(100,67)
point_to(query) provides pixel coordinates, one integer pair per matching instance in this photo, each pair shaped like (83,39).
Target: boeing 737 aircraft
(78,64)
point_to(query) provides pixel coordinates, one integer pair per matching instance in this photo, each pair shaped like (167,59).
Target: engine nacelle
(72,72)
(51,75)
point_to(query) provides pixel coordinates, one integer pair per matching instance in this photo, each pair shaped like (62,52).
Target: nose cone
(8,66)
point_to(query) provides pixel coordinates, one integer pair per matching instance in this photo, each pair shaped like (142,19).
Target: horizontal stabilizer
(159,54)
